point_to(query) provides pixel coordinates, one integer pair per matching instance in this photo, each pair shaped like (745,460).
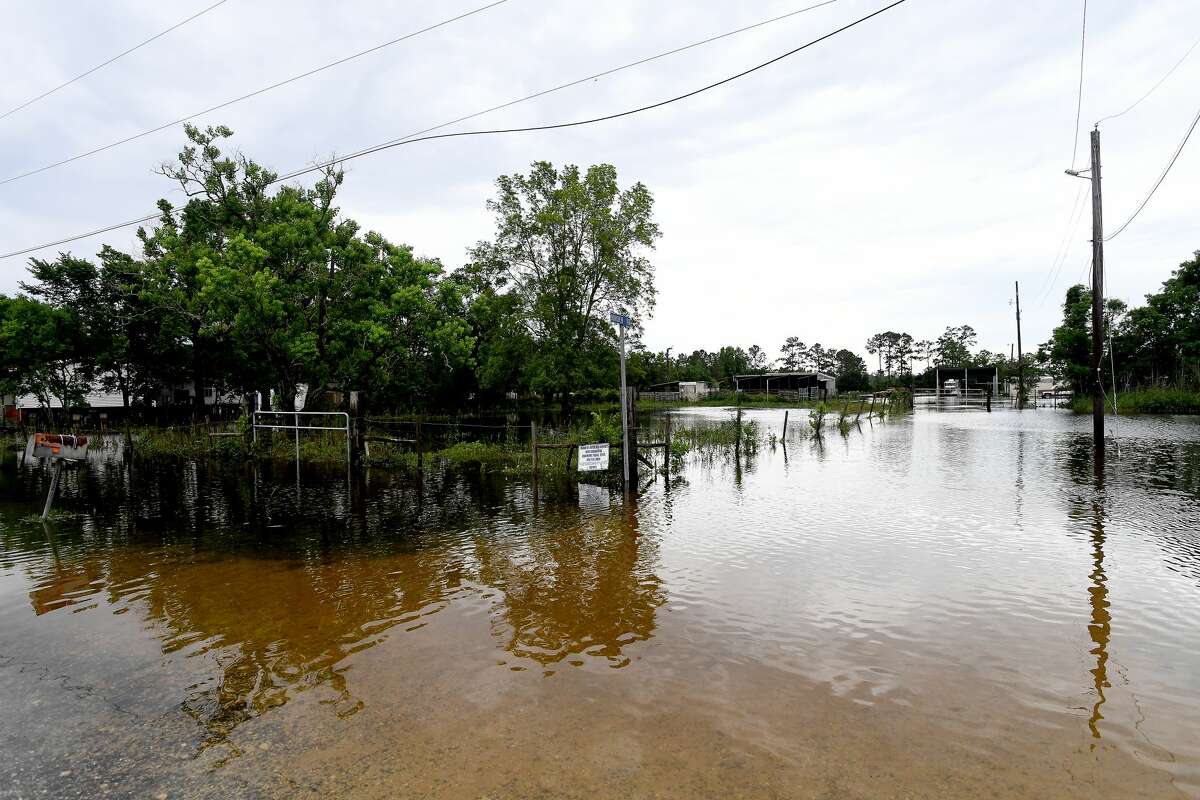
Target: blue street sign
(620,319)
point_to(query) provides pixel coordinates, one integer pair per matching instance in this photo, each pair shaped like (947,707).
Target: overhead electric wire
(158,35)
(1064,248)
(532,128)
(247,96)
(1161,80)
(575,82)
(1061,263)
(1158,182)
(1079,100)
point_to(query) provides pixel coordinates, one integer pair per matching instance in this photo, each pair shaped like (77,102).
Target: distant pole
(1020,355)
(1097,300)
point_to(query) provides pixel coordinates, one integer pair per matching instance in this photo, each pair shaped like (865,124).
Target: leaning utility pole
(1097,297)
(1020,356)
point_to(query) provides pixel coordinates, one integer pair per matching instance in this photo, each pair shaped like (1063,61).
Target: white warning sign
(593,457)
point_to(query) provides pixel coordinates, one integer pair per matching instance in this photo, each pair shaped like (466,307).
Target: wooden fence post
(420,451)
(667,449)
(737,437)
(533,447)
(785,418)
(632,477)
(357,423)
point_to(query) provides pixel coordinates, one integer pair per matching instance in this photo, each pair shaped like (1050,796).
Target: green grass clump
(1146,401)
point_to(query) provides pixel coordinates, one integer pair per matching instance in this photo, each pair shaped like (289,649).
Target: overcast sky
(898,176)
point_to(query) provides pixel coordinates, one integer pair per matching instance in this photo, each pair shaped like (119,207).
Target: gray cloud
(899,176)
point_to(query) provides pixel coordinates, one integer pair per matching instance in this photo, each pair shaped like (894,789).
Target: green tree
(45,353)
(1068,354)
(851,371)
(1160,341)
(118,333)
(265,287)
(953,347)
(794,354)
(757,359)
(572,246)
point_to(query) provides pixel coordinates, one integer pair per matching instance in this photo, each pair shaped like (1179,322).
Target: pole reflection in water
(1100,626)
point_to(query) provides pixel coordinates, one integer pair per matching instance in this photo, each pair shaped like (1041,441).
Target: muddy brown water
(945,605)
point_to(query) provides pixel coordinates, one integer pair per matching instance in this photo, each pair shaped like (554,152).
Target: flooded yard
(939,605)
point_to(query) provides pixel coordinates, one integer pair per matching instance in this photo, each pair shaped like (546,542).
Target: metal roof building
(809,384)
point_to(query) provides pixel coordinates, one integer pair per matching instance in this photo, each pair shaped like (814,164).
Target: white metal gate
(255,425)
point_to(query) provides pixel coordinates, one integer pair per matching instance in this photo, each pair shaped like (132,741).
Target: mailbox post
(58,448)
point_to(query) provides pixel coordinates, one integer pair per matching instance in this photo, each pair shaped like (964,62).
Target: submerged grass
(508,451)
(1146,401)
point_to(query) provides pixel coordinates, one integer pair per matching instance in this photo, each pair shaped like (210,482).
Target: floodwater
(945,605)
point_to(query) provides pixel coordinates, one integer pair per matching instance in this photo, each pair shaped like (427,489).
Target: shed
(817,385)
(968,377)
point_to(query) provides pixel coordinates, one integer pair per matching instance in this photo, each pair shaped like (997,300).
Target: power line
(160,34)
(1161,80)
(1064,248)
(569,84)
(247,96)
(1158,182)
(556,126)
(1079,101)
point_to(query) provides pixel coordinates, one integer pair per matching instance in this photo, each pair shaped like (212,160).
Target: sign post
(623,321)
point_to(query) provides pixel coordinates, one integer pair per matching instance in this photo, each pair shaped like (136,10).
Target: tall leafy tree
(1068,354)
(794,354)
(851,371)
(953,347)
(756,357)
(572,246)
(44,352)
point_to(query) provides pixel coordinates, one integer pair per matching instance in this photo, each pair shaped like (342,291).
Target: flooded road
(943,605)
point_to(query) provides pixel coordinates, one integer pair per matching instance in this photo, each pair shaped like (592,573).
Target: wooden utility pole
(1020,356)
(1097,300)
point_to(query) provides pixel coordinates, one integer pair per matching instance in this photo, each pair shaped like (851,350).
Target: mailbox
(57,446)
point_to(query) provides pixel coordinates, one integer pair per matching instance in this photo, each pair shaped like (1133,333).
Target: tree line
(901,360)
(1156,345)
(254,286)
(257,287)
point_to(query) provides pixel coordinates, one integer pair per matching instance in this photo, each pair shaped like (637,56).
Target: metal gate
(255,425)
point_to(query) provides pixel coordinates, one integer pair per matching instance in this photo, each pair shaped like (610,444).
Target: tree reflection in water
(275,594)
(584,585)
